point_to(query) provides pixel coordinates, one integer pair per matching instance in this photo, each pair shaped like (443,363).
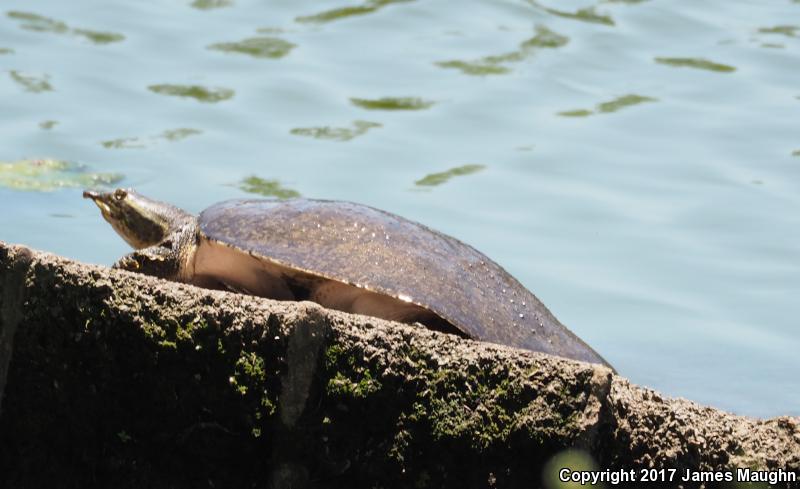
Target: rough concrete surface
(114,379)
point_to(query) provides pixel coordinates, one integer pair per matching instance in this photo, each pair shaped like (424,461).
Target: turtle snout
(104,201)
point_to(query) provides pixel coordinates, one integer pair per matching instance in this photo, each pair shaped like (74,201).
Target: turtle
(343,256)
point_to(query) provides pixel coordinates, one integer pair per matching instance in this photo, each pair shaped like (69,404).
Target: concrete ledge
(113,379)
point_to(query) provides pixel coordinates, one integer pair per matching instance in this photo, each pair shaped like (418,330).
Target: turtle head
(139,220)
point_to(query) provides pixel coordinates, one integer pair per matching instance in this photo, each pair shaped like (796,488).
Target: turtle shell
(385,253)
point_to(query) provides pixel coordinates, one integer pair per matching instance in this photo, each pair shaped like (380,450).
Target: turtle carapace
(342,255)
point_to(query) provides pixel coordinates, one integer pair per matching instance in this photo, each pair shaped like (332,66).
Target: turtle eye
(120,194)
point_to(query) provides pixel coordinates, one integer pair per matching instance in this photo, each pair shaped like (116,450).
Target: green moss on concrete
(139,395)
(439,425)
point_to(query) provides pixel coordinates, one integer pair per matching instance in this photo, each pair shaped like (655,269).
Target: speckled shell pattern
(385,253)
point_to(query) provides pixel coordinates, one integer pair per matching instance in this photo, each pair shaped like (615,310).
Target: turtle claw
(127,262)
(156,261)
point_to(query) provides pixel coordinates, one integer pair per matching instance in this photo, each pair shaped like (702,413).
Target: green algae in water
(211,4)
(588,14)
(99,37)
(576,113)
(267,188)
(544,38)
(786,30)
(258,47)
(393,103)
(197,92)
(349,11)
(796,152)
(622,102)
(32,83)
(124,143)
(6,51)
(139,143)
(336,133)
(698,63)
(614,105)
(48,124)
(180,133)
(435,179)
(48,174)
(40,23)
(270,30)
(493,64)
(476,68)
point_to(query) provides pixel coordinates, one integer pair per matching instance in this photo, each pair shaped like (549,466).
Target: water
(631,162)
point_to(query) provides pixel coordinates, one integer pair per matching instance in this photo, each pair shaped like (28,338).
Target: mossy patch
(257,47)
(197,92)
(446,424)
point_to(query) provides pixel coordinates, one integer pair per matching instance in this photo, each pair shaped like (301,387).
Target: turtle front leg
(157,261)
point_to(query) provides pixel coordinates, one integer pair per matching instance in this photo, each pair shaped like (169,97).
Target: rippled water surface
(634,163)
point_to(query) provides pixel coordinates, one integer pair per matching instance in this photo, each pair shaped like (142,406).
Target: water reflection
(258,47)
(336,133)
(32,83)
(267,188)
(43,175)
(493,65)
(140,143)
(393,103)
(699,63)
(40,23)
(434,179)
(350,11)
(197,92)
(610,106)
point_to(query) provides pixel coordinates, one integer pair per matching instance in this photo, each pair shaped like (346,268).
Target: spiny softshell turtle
(343,256)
